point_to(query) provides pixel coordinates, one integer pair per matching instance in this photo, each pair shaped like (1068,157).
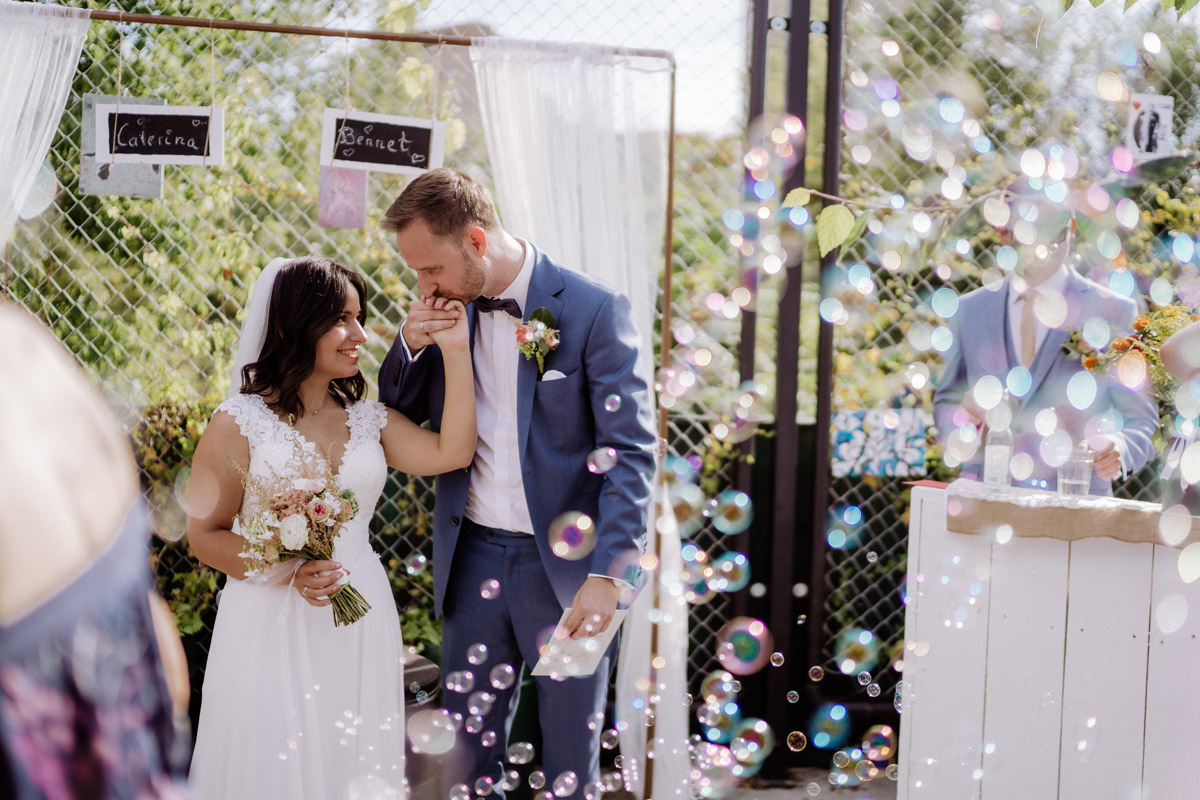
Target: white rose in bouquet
(293,531)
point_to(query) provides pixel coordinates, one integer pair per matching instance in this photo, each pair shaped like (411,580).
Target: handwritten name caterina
(143,139)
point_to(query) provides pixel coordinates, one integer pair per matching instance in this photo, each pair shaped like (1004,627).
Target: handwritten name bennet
(349,136)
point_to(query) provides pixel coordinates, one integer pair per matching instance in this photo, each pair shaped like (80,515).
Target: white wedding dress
(294,707)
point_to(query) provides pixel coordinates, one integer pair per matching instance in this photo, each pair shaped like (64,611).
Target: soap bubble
(612,403)
(572,536)
(431,731)
(489,589)
(734,512)
(416,564)
(520,753)
(687,500)
(601,460)
(743,645)
(537,780)
(731,572)
(856,650)
(477,653)
(565,784)
(797,741)
(502,676)
(460,681)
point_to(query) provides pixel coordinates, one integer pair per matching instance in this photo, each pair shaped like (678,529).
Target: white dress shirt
(496,493)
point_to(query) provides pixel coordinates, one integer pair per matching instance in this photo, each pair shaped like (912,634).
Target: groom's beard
(473,278)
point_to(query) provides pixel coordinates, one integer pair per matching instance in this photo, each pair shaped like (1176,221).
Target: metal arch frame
(464,41)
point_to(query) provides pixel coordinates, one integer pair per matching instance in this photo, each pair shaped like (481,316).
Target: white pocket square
(552,375)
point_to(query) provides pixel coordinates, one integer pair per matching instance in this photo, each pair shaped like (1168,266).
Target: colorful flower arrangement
(299,518)
(537,337)
(1135,359)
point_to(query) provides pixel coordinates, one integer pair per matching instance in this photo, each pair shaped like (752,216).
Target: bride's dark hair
(307,299)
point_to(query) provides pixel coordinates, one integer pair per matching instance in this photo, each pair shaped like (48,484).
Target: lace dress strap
(367,419)
(255,420)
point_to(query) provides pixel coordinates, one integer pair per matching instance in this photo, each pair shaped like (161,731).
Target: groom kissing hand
(557,377)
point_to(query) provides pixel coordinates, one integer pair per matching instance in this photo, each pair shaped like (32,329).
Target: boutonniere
(537,336)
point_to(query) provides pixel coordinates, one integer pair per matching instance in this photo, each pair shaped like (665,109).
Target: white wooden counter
(1043,669)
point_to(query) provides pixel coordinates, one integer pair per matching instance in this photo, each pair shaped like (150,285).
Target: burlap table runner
(974,508)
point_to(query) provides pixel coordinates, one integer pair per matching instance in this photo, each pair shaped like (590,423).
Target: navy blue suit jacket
(559,423)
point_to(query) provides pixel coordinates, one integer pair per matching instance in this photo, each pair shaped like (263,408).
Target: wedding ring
(421,325)
(304,591)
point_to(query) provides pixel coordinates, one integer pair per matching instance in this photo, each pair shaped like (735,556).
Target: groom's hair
(307,299)
(447,200)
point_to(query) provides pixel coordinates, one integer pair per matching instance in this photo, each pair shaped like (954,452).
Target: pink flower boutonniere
(537,337)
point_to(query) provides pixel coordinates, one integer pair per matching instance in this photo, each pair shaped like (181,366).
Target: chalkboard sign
(128,134)
(380,142)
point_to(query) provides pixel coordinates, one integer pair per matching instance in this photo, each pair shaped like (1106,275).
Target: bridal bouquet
(299,518)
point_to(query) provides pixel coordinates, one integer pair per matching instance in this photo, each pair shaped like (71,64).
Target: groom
(497,580)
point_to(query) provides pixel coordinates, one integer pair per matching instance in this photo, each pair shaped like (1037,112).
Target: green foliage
(1181,6)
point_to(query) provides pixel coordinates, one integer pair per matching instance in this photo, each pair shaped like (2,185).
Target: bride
(294,706)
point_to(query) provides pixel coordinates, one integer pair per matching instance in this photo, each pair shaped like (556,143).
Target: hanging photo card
(1151,124)
(189,135)
(380,142)
(125,180)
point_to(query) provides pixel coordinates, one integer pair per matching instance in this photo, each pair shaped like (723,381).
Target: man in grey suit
(499,580)
(1015,333)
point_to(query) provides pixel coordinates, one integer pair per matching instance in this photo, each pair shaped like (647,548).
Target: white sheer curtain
(39,51)
(577,142)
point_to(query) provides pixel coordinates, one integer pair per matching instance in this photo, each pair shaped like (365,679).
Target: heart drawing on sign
(196,123)
(368,129)
(347,152)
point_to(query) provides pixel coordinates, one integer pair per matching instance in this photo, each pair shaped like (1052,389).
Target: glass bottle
(998,447)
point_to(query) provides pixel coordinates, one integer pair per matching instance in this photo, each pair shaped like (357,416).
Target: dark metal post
(787,360)
(820,465)
(758,93)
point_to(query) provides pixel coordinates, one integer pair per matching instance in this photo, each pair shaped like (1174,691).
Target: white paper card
(577,657)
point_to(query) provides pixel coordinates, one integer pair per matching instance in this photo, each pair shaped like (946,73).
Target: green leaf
(1184,6)
(1168,4)
(797,198)
(543,315)
(833,226)
(1067,5)
(1096,3)
(1129,4)
(860,225)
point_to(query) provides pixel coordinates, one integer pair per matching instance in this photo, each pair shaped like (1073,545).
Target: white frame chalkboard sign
(161,146)
(381,142)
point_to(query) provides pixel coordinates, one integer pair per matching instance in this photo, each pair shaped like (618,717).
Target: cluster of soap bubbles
(872,758)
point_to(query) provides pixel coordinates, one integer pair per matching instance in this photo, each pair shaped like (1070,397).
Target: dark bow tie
(505,304)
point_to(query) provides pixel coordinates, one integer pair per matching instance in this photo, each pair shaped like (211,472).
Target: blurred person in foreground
(1015,332)
(93,680)
(299,702)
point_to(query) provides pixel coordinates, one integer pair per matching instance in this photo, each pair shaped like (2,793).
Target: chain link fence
(147,293)
(942,99)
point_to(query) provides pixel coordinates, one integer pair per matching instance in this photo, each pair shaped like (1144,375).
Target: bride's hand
(455,337)
(316,580)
